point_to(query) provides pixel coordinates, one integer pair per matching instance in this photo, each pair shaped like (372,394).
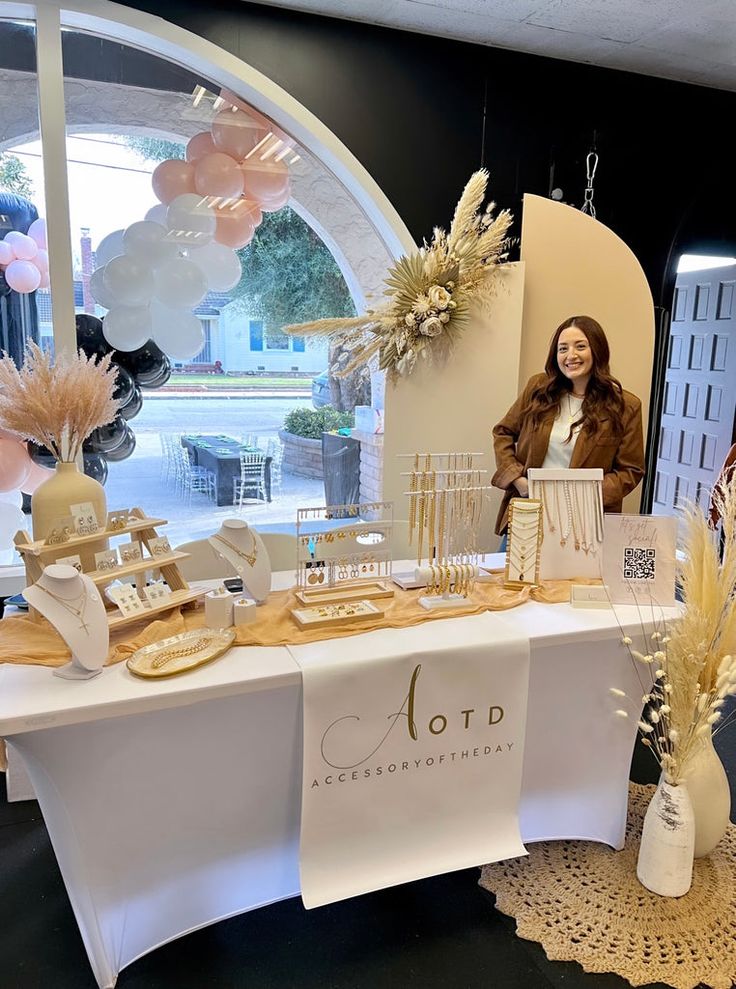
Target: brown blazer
(518,447)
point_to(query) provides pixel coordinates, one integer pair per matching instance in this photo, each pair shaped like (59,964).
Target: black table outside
(222,457)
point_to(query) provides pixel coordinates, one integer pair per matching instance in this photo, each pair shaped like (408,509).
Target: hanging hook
(591,163)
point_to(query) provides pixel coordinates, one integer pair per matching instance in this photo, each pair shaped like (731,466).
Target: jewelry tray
(345,592)
(141,662)
(311,618)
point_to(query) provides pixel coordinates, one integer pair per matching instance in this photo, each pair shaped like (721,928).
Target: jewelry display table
(112,759)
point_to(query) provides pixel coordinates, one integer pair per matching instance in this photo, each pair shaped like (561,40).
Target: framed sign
(639,559)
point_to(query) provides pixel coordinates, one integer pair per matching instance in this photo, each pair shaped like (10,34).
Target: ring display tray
(336,614)
(37,554)
(345,592)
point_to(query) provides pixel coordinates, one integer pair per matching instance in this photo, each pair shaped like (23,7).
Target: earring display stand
(161,558)
(572,505)
(446,503)
(524,545)
(346,562)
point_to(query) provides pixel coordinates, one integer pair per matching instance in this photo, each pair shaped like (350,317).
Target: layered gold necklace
(250,558)
(75,606)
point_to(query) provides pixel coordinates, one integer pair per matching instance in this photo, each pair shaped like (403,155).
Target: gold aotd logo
(436,724)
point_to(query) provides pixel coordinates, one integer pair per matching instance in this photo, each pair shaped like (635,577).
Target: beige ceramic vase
(53,499)
(710,794)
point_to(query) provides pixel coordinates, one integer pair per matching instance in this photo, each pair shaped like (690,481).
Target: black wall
(421,113)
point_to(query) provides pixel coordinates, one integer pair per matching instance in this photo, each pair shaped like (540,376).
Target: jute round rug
(582,902)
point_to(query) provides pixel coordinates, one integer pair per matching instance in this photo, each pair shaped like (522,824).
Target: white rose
(439,297)
(431,327)
(444,317)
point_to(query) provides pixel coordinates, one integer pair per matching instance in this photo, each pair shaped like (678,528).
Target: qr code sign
(639,564)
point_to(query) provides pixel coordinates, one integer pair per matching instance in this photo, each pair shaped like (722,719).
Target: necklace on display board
(72,606)
(250,558)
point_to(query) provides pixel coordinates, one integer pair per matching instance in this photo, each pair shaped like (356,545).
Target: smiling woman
(576,393)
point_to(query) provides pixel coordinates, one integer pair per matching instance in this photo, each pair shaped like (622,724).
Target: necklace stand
(237,543)
(572,502)
(72,604)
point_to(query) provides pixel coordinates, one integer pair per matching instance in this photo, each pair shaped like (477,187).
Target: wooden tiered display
(37,555)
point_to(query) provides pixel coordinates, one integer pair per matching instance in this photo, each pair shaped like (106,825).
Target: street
(237,416)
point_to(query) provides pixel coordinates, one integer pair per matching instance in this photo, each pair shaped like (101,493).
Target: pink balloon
(218,175)
(172,178)
(23,276)
(199,146)
(25,247)
(41,261)
(236,132)
(7,254)
(15,464)
(37,231)
(265,180)
(273,205)
(45,280)
(36,476)
(235,228)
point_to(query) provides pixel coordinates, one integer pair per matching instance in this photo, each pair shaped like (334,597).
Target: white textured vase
(665,863)
(710,796)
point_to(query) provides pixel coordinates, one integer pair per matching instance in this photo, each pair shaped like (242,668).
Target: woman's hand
(522,486)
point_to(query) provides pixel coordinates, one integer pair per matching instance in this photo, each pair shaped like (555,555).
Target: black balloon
(90,337)
(95,466)
(125,386)
(107,438)
(156,380)
(134,406)
(125,449)
(143,363)
(40,455)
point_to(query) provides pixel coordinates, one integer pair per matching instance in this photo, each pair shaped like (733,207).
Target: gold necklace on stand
(579,503)
(250,558)
(72,606)
(571,514)
(564,531)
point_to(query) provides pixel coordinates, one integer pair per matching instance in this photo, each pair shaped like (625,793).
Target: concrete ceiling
(688,40)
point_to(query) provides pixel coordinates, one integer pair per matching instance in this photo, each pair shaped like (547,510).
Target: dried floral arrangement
(693,662)
(431,293)
(57,404)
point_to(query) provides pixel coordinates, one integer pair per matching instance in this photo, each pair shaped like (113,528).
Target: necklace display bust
(72,604)
(242,547)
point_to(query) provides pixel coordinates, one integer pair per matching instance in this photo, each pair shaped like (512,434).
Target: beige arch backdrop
(571,265)
(578,266)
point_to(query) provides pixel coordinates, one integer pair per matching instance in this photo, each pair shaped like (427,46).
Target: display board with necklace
(524,545)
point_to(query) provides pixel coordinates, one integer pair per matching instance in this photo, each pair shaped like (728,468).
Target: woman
(574,415)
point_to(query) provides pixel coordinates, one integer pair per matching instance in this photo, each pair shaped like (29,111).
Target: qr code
(639,564)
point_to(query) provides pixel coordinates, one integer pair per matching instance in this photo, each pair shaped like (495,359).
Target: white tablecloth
(175,804)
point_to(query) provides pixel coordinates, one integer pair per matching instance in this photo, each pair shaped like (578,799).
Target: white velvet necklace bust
(72,604)
(242,547)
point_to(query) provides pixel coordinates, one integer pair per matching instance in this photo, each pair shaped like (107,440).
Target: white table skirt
(176,804)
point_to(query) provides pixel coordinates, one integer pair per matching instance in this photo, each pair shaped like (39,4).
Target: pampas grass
(432,293)
(693,663)
(56,405)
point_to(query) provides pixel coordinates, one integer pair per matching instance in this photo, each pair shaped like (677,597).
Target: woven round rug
(582,902)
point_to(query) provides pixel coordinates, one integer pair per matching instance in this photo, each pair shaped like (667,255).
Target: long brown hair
(603,395)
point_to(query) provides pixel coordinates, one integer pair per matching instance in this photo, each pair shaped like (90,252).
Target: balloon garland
(151,275)
(24,258)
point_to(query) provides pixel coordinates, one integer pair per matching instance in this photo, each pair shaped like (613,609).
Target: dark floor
(441,932)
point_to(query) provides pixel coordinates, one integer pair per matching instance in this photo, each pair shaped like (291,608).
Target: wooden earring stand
(37,555)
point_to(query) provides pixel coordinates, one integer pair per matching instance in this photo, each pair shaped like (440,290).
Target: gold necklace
(250,558)
(168,654)
(71,607)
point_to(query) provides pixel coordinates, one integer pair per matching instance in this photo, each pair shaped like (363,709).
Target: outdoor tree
(14,176)
(154,148)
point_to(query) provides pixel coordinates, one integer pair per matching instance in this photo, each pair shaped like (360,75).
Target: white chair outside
(252,480)
(275,450)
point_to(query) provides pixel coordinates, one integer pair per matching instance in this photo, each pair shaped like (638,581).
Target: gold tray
(215,642)
(354,611)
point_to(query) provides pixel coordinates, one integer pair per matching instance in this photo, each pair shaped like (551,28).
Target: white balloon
(177,332)
(11,520)
(147,241)
(100,293)
(127,327)
(157,214)
(190,220)
(130,280)
(219,264)
(180,284)
(109,247)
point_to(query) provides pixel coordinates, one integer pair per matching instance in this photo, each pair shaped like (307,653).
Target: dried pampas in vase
(57,404)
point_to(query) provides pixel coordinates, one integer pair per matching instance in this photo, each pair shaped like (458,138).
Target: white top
(559,451)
